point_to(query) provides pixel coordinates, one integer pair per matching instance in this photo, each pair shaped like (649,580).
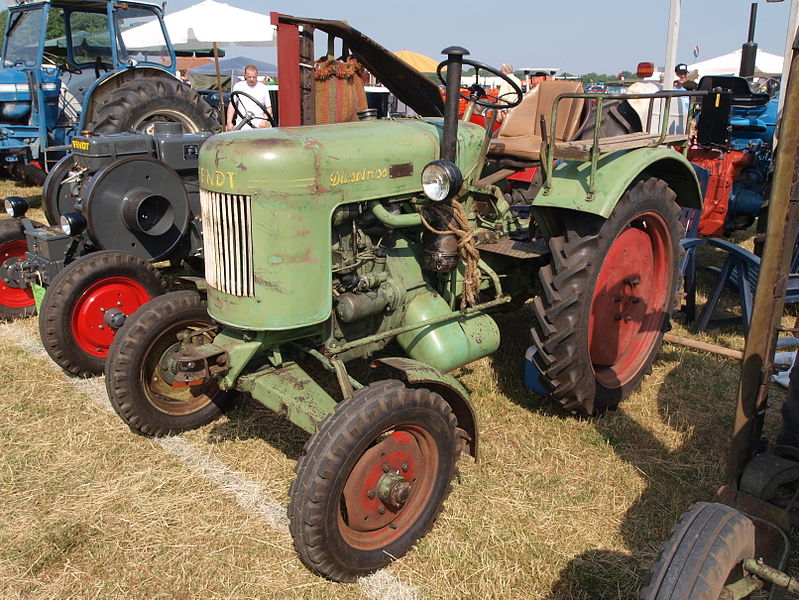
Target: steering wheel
(476,91)
(248,118)
(62,63)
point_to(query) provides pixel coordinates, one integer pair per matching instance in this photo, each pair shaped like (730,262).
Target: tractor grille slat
(227,242)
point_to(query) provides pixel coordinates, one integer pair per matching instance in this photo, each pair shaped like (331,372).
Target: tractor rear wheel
(373,479)
(704,552)
(609,291)
(140,373)
(138,103)
(88,301)
(15,302)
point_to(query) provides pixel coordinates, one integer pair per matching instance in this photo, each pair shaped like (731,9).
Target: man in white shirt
(252,87)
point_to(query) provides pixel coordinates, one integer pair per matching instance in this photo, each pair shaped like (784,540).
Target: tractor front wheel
(373,479)
(138,103)
(608,295)
(140,375)
(88,301)
(15,302)
(703,554)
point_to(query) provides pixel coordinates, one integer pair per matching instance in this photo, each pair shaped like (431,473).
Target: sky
(578,36)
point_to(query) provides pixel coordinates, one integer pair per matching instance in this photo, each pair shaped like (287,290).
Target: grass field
(556,508)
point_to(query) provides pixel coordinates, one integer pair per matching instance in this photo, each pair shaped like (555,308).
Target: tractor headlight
(441,180)
(73,223)
(16,206)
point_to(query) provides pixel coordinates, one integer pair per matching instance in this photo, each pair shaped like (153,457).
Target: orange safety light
(645,69)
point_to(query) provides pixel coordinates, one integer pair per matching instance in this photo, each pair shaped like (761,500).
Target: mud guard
(614,175)
(418,373)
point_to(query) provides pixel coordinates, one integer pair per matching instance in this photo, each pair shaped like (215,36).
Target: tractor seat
(520,136)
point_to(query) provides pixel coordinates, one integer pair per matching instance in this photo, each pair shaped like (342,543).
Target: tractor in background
(93,76)
(325,243)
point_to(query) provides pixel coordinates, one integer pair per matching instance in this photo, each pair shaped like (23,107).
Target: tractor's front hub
(381,482)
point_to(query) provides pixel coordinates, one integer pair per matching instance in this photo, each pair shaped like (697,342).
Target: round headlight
(16,206)
(441,180)
(72,223)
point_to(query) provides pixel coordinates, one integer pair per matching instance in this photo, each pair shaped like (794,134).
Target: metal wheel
(141,369)
(15,301)
(59,197)
(373,479)
(87,303)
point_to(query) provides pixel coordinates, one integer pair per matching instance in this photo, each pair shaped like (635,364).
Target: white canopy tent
(207,23)
(766,65)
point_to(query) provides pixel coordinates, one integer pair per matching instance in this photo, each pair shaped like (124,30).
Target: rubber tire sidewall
(704,547)
(324,469)
(590,240)
(64,291)
(123,109)
(128,353)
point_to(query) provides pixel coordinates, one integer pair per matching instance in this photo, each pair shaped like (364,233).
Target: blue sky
(579,36)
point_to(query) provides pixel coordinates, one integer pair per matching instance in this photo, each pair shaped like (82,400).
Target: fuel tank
(268,197)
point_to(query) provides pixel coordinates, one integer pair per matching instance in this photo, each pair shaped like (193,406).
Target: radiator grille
(227,242)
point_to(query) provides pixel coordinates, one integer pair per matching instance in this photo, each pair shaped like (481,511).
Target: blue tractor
(83,66)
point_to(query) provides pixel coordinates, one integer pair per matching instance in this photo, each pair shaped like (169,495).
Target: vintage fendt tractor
(325,243)
(124,201)
(76,66)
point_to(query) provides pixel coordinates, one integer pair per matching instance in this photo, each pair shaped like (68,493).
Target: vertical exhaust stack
(749,49)
(449,142)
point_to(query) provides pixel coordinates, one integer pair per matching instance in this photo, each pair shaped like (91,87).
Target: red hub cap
(92,329)
(388,488)
(630,298)
(13,297)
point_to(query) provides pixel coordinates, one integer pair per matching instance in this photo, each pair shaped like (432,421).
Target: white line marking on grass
(250,496)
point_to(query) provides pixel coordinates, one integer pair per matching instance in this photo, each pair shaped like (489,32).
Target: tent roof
(237,63)
(729,64)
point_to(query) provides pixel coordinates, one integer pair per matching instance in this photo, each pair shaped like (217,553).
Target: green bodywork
(614,175)
(297,177)
(337,247)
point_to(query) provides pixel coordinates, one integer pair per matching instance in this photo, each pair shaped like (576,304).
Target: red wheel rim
(90,331)
(365,521)
(10,296)
(630,297)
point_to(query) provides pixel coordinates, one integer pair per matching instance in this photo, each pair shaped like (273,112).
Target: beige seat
(520,134)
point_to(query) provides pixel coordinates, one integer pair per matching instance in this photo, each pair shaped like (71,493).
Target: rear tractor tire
(15,302)
(609,291)
(703,554)
(138,103)
(141,384)
(87,303)
(373,479)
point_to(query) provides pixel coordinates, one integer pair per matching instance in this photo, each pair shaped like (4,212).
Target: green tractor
(322,244)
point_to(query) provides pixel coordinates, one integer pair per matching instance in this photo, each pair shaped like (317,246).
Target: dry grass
(557,508)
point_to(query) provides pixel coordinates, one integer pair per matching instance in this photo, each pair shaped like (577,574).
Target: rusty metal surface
(514,248)
(770,293)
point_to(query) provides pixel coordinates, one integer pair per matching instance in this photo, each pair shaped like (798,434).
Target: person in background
(184,77)
(505,87)
(683,81)
(252,87)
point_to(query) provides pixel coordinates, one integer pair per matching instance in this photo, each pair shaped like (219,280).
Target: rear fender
(418,374)
(615,173)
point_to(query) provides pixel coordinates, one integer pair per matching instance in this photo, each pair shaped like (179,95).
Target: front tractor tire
(608,294)
(140,372)
(86,304)
(372,480)
(15,302)
(138,103)
(705,551)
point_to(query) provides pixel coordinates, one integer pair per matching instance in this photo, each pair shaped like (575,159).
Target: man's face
(251,77)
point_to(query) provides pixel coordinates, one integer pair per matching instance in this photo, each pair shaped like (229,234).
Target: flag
(696,51)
